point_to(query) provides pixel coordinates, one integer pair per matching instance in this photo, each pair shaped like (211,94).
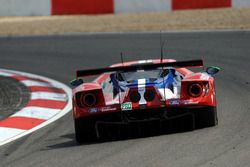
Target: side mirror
(212,70)
(76,82)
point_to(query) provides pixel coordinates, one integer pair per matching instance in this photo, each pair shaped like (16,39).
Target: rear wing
(178,64)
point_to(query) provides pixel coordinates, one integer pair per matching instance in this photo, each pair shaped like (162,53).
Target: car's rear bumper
(150,122)
(149,127)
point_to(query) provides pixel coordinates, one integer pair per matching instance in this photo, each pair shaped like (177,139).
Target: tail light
(195,90)
(93,98)
(89,99)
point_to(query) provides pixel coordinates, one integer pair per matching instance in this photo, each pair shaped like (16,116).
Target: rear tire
(84,130)
(206,117)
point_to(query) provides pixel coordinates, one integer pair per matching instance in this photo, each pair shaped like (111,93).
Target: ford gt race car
(143,98)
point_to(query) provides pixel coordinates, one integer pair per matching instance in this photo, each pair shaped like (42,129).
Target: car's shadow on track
(140,129)
(71,142)
(172,126)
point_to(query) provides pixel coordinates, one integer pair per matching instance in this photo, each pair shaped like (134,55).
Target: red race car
(143,98)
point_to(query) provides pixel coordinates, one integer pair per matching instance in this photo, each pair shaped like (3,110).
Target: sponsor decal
(104,109)
(126,106)
(190,102)
(175,102)
(93,110)
(179,102)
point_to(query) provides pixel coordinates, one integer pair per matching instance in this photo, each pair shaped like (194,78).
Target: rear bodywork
(141,98)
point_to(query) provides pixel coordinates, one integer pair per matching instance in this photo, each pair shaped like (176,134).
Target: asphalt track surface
(57,57)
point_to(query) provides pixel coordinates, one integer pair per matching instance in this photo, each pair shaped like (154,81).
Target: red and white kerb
(48,100)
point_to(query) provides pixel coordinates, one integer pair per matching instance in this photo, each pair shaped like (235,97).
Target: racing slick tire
(206,117)
(84,130)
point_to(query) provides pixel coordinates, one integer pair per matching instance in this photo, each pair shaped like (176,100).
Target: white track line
(9,133)
(48,96)
(37,112)
(36,83)
(5,74)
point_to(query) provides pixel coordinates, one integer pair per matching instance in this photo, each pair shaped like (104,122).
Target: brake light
(92,98)
(89,99)
(195,90)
